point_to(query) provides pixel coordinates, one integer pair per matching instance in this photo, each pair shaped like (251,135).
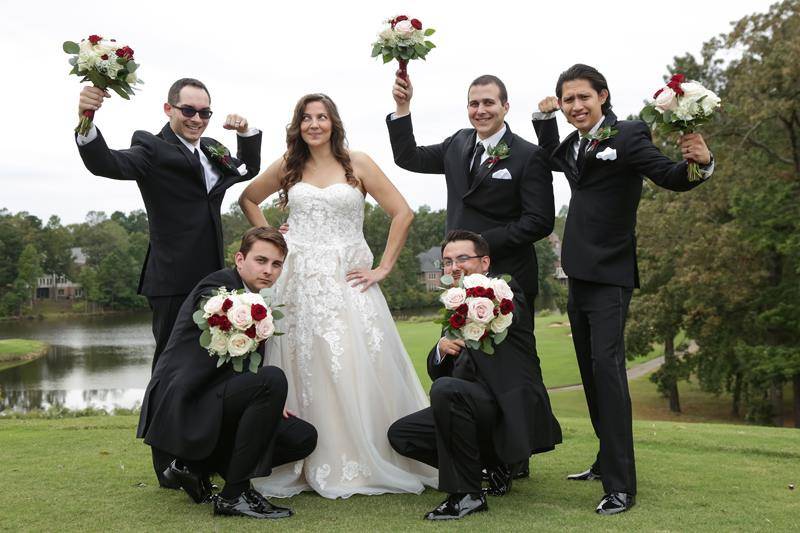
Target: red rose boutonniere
(497,153)
(603,134)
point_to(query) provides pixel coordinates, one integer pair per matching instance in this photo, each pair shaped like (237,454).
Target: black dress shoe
(197,486)
(250,503)
(499,479)
(588,475)
(615,502)
(523,472)
(167,481)
(458,506)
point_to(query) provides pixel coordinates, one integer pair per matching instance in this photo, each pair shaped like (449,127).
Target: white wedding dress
(349,374)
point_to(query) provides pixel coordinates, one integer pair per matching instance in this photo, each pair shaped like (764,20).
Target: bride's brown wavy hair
(297,152)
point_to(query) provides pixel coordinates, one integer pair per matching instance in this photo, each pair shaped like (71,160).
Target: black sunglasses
(189,112)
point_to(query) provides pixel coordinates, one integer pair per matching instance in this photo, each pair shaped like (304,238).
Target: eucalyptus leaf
(74,70)
(474,345)
(120,91)
(255,360)
(500,337)
(486,347)
(197,316)
(387,57)
(205,338)
(221,360)
(376,50)
(97,79)
(420,49)
(428,32)
(267,292)
(73,61)
(71,47)
(277,315)
(447,279)
(237,363)
(430,45)
(131,66)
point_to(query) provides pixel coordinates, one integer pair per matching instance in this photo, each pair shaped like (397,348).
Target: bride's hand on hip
(366,277)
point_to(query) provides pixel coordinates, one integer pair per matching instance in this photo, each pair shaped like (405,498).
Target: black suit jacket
(525,423)
(182,408)
(184,218)
(600,232)
(510,214)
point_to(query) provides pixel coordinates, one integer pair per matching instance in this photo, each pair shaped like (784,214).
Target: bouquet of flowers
(235,323)
(681,106)
(403,39)
(107,64)
(478,310)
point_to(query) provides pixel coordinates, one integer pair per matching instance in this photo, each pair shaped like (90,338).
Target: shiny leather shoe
(167,481)
(499,479)
(588,475)
(615,502)
(458,506)
(197,486)
(250,503)
(523,472)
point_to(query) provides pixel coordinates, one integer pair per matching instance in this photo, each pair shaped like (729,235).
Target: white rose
(454,297)
(219,342)
(213,305)
(501,289)
(131,78)
(501,322)
(404,28)
(265,328)
(692,90)
(710,102)
(87,60)
(666,100)
(475,280)
(481,310)
(240,316)
(239,344)
(473,331)
(251,298)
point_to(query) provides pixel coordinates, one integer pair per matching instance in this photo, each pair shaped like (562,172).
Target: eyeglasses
(460,260)
(189,112)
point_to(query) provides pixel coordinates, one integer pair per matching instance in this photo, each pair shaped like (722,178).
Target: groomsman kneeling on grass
(487,411)
(219,420)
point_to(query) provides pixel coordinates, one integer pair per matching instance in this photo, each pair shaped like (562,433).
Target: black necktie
(581,153)
(202,169)
(476,162)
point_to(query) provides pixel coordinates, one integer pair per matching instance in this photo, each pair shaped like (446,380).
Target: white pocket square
(609,154)
(502,174)
(242,169)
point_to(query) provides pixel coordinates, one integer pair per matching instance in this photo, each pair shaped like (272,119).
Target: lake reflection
(101,362)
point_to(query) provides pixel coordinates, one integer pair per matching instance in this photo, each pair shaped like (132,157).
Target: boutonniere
(497,153)
(603,134)
(221,155)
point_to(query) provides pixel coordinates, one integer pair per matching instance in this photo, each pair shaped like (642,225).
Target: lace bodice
(330,216)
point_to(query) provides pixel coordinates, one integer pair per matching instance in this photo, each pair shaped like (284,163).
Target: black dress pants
(454,434)
(597,314)
(254,436)
(165,312)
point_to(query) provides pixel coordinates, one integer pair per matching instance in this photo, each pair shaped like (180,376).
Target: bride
(348,372)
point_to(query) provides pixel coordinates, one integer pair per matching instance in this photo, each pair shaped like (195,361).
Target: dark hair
(580,71)
(488,79)
(481,246)
(175,91)
(297,152)
(263,233)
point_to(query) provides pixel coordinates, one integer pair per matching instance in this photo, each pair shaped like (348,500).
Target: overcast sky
(258,60)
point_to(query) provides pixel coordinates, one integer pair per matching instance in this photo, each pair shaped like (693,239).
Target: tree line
(722,263)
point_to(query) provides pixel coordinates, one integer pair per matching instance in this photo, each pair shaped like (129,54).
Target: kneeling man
(487,411)
(216,419)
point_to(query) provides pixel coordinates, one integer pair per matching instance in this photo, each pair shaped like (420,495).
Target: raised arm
(377,185)
(545,125)
(263,186)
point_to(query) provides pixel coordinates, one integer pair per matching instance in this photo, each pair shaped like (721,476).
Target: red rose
(251,331)
(94,39)
(489,293)
(506,306)
(675,83)
(470,292)
(104,57)
(457,321)
(125,52)
(462,309)
(479,291)
(496,311)
(227,304)
(485,334)
(416,23)
(399,18)
(212,320)
(258,312)
(223,323)
(657,93)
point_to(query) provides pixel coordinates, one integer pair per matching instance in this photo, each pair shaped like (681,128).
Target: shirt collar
(187,144)
(595,128)
(493,140)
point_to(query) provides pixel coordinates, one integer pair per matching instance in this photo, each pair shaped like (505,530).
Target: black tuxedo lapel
(467,152)
(171,137)
(564,154)
(485,169)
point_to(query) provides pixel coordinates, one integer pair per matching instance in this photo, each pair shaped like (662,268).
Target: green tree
(29,268)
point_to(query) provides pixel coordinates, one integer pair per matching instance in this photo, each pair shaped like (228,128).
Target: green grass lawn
(15,352)
(553,343)
(91,474)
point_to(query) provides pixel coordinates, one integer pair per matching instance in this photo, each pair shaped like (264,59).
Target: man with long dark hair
(599,252)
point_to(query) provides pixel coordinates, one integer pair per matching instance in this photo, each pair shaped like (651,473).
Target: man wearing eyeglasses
(182,177)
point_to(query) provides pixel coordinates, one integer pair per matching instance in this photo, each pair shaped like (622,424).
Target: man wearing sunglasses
(182,178)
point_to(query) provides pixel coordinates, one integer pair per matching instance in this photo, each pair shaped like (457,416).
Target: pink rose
(404,28)
(240,316)
(265,328)
(454,297)
(501,289)
(481,310)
